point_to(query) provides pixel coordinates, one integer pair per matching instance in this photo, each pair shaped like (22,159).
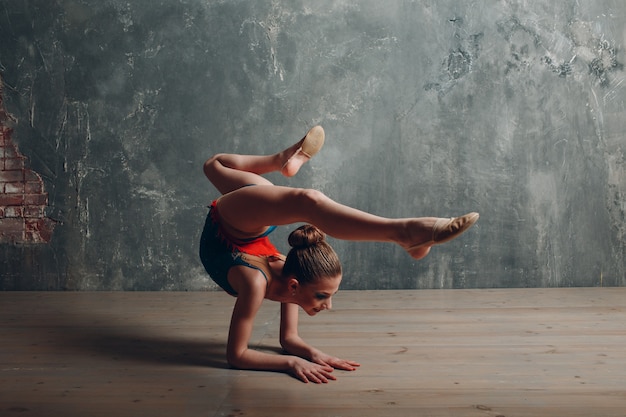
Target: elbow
(233,363)
(286,343)
(234,360)
(283,340)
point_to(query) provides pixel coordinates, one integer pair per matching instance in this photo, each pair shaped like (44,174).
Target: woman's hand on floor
(337,363)
(311,372)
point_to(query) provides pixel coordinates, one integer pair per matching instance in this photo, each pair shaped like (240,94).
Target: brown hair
(311,257)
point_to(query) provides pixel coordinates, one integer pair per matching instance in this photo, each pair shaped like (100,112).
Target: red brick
(32,236)
(7,144)
(11,199)
(10,152)
(12,176)
(35,199)
(14,212)
(14,163)
(38,231)
(30,175)
(12,225)
(33,188)
(22,197)
(12,230)
(33,212)
(14,187)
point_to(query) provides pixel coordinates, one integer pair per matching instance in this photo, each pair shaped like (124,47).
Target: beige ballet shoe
(445,230)
(310,145)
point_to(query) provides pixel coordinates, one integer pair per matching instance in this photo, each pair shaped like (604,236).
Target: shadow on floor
(157,349)
(134,341)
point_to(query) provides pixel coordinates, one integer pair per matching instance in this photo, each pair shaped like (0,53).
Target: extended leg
(274,205)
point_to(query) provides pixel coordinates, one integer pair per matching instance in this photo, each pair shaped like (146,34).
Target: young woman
(238,255)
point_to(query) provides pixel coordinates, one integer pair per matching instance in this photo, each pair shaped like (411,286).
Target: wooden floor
(520,352)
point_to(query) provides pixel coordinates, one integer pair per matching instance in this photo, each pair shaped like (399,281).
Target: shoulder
(247,282)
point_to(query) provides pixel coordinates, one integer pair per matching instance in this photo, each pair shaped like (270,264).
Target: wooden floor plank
(509,352)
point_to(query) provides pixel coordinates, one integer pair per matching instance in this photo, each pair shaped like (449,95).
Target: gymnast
(236,251)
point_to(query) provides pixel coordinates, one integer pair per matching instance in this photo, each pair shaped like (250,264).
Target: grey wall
(512,108)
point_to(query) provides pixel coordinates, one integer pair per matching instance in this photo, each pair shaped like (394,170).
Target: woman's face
(317,296)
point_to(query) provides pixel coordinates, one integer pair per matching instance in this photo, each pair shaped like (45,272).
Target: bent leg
(229,172)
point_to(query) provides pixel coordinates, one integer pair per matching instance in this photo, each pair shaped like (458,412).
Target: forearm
(253,359)
(290,340)
(295,345)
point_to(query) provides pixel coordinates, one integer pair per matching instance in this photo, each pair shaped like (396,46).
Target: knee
(309,197)
(210,165)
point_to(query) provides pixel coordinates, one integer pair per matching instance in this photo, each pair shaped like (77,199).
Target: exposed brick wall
(22,197)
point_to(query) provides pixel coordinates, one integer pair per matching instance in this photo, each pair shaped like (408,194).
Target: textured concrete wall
(511,108)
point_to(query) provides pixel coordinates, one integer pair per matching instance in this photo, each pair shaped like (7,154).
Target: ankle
(416,230)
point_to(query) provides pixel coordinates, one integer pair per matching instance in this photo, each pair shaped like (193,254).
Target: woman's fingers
(344,365)
(317,374)
(321,375)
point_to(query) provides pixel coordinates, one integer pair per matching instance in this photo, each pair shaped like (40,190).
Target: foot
(443,230)
(302,151)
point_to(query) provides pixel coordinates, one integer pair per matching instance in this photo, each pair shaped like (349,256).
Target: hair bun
(306,236)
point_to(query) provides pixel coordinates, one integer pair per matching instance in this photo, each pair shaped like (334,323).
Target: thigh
(252,208)
(227,179)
